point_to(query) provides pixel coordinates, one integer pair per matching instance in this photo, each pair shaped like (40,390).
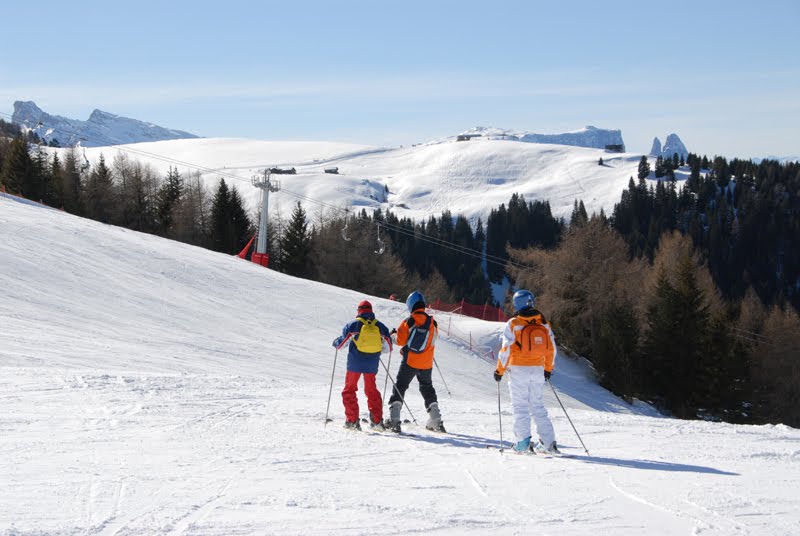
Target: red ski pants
(374,402)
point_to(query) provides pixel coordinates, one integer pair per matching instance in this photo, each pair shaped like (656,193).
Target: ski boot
(541,448)
(523,446)
(353,425)
(393,422)
(435,418)
(376,425)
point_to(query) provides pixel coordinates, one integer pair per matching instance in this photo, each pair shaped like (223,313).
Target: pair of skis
(386,430)
(529,452)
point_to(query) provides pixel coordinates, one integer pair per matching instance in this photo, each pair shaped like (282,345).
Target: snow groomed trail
(150,387)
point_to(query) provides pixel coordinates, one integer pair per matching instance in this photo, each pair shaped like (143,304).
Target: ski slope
(151,387)
(469,178)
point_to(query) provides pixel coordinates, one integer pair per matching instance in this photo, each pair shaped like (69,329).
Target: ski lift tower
(267,185)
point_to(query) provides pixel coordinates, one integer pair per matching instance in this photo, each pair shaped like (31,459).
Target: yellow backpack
(369,339)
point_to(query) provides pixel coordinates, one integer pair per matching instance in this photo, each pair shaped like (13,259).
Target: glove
(497,376)
(547,375)
(335,341)
(394,330)
(404,352)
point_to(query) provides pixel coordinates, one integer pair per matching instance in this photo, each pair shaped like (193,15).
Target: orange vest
(422,360)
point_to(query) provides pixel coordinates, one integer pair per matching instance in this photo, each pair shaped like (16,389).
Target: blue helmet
(524,299)
(413,300)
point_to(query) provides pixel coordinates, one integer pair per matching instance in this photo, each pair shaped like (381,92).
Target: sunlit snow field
(150,387)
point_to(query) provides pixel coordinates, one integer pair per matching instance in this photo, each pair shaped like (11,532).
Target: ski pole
(396,390)
(330,391)
(442,376)
(567,414)
(388,367)
(386,381)
(500,417)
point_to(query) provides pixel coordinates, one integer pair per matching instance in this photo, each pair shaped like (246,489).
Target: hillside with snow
(589,136)
(470,173)
(468,177)
(151,387)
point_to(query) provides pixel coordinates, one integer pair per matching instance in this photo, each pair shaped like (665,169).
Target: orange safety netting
(484,312)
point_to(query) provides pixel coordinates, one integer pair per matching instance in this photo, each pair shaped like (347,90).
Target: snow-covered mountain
(655,150)
(469,178)
(672,146)
(151,387)
(101,129)
(592,137)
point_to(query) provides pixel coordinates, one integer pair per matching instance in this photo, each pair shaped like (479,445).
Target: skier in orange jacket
(417,336)
(528,354)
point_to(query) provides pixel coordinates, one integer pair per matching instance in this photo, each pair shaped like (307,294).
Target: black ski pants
(404,377)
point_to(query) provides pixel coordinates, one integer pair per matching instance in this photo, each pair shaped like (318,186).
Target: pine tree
(660,168)
(644,168)
(675,342)
(99,193)
(579,216)
(296,245)
(168,198)
(222,232)
(71,187)
(496,240)
(617,353)
(18,172)
(242,226)
(55,194)
(230,226)
(41,187)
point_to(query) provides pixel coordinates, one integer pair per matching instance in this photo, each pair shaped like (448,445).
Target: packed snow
(151,387)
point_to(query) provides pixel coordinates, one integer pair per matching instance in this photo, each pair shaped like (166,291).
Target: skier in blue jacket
(368,337)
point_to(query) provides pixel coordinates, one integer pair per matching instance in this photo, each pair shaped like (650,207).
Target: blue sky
(725,76)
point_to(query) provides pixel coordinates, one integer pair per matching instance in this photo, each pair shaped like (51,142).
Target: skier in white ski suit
(528,354)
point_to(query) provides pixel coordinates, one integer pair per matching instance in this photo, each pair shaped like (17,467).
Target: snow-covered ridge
(469,178)
(102,128)
(589,136)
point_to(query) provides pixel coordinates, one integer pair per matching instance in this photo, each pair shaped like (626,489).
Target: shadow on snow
(468,441)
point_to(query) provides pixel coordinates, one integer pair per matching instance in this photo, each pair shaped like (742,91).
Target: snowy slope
(150,387)
(469,178)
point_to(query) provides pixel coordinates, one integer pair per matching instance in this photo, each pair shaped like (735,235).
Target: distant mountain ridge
(101,129)
(589,136)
